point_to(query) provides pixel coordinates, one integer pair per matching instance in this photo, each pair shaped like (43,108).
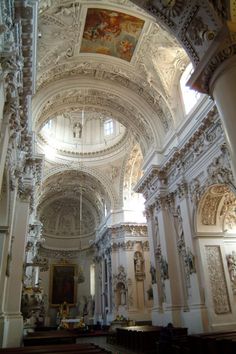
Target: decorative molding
(188,259)
(219,291)
(163,269)
(120,276)
(153,274)
(231,263)
(62,254)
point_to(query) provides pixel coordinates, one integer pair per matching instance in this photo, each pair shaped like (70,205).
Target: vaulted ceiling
(99,60)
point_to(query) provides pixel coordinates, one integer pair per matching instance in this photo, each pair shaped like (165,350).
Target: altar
(72,323)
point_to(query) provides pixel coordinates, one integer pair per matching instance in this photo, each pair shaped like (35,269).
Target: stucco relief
(219,174)
(164,272)
(139,266)
(219,291)
(63,218)
(198,31)
(65,24)
(231,262)
(132,172)
(186,256)
(201,140)
(172,8)
(209,209)
(92,97)
(63,178)
(111,73)
(121,275)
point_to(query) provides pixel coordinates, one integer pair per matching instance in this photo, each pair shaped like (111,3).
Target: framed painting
(62,284)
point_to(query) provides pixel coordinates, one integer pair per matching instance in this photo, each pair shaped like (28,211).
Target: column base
(1,329)
(11,327)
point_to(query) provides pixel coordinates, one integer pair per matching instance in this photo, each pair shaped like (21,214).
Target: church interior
(117,165)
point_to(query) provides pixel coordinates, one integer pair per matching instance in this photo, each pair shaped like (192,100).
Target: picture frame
(62,284)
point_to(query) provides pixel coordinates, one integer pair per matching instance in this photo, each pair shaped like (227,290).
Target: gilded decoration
(217,279)
(111,33)
(211,203)
(209,209)
(228,211)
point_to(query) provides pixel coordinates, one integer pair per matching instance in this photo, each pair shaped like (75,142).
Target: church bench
(173,340)
(213,343)
(58,351)
(138,338)
(80,348)
(50,337)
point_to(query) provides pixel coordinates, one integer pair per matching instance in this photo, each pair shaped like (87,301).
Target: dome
(83,133)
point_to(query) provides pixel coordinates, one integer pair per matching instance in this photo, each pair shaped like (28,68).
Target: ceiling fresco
(111,33)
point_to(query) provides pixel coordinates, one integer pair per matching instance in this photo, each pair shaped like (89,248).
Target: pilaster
(166,253)
(187,252)
(13,321)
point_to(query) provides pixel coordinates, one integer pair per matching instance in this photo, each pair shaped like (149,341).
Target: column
(3,266)
(98,291)
(173,284)
(3,150)
(196,307)
(13,321)
(152,237)
(132,299)
(6,255)
(223,88)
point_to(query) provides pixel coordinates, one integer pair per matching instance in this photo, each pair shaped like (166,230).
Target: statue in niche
(150,293)
(121,294)
(164,269)
(138,263)
(139,266)
(153,274)
(85,308)
(77,130)
(231,262)
(191,262)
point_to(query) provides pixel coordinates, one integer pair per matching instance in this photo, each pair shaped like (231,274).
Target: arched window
(108,127)
(190,97)
(92,279)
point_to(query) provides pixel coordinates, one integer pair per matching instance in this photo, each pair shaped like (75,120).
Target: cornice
(153,172)
(127,228)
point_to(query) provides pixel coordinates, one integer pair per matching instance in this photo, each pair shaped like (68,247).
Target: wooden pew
(53,348)
(138,338)
(213,343)
(80,348)
(50,337)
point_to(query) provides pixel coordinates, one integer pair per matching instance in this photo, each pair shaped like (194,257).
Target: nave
(117,165)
